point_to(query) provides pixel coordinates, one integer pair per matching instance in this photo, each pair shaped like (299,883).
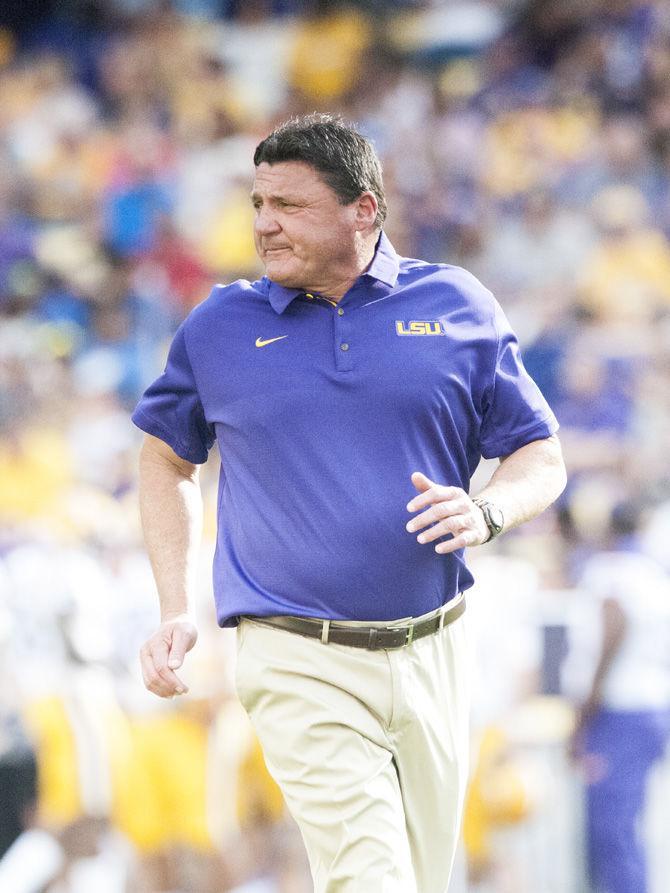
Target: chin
(281,276)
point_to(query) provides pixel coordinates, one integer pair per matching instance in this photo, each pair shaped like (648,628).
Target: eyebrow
(277,196)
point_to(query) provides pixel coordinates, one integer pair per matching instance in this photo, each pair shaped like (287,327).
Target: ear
(366,211)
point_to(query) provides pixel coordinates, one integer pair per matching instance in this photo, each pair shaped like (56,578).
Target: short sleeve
(514,412)
(171,410)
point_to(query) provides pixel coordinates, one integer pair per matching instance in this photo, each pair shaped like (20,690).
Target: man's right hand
(164,653)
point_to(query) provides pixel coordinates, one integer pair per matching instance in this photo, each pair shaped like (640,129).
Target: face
(304,236)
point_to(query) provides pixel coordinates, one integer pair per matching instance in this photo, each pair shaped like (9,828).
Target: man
(618,672)
(346,388)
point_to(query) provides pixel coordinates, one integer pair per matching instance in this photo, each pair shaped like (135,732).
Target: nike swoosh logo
(261,343)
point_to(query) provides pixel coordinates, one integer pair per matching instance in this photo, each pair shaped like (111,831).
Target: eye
(287,205)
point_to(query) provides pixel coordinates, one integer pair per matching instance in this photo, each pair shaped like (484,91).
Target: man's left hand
(448,510)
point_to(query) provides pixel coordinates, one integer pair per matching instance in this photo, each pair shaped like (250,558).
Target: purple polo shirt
(322,412)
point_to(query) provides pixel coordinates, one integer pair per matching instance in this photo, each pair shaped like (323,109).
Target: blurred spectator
(622,157)
(626,280)
(542,246)
(529,142)
(619,670)
(18,767)
(327,53)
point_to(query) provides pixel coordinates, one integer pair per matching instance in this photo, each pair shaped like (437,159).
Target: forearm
(527,481)
(171,512)
(613,631)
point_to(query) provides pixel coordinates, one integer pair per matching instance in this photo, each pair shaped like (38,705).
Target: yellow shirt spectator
(35,470)
(627,278)
(325,62)
(229,248)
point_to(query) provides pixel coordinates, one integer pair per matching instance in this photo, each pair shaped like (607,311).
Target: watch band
(493,517)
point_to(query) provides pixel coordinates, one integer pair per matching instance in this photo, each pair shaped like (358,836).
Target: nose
(266,223)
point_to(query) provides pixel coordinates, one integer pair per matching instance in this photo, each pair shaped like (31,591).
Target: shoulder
(222,300)
(458,287)
(451,278)
(223,297)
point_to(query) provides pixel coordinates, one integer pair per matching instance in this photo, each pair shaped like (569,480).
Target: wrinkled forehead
(295,178)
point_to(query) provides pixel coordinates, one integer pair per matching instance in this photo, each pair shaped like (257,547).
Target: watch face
(496,518)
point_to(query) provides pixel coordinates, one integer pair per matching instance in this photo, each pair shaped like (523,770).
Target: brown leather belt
(374,638)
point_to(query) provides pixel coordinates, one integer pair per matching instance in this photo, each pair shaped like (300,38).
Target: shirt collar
(385,267)
(385,264)
(281,297)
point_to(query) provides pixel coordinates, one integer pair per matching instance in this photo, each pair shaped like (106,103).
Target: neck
(338,286)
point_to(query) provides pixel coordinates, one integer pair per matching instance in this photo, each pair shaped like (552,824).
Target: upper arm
(614,624)
(156,450)
(513,409)
(172,410)
(546,446)
(541,462)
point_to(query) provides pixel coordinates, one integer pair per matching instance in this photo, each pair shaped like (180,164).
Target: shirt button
(340,311)
(344,346)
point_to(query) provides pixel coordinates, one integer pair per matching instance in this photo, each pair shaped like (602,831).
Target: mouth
(269,252)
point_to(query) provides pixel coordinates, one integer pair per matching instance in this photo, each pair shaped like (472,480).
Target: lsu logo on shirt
(419,327)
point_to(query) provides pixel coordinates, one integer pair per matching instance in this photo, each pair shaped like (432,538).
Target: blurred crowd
(526,140)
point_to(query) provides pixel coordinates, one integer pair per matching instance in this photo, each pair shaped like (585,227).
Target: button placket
(342,345)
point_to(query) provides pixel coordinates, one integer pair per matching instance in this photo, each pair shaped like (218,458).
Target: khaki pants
(370,750)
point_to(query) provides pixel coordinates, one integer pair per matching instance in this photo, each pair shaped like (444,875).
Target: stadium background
(526,141)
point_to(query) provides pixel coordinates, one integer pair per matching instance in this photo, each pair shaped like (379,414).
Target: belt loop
(442,616)
(325,631)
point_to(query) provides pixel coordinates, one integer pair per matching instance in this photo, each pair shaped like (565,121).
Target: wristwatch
(495,520)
